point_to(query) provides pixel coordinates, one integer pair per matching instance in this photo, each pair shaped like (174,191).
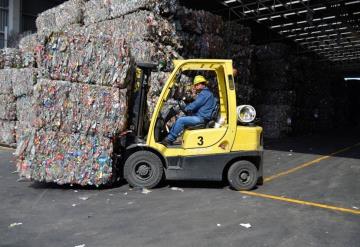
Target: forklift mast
(140,99)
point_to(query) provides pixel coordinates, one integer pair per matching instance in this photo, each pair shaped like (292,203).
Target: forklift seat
(211,122)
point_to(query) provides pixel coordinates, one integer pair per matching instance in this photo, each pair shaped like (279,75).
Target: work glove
(182,105)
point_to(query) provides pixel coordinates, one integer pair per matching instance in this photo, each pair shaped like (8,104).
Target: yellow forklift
(228,147)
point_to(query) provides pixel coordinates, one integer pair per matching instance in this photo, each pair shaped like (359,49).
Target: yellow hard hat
(199,79)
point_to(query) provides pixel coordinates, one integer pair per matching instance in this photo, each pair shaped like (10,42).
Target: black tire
(143,169)
(242,175)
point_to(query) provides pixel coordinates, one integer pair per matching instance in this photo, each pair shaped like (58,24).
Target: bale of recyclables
(15,58)
(79,57)
(100,51)
(71,140)
(23,81)
(7,107)
(7,132)
(99,10)
(202,46)
(55,19)
(24,116)
(10,58)
(63,158)
(29,42)
(276,119)
(74,107)
(5,81)
(157,82)
(198,21)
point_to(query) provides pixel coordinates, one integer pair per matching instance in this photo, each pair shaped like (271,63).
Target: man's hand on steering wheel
(182,106)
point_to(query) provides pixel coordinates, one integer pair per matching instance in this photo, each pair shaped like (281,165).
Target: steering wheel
(182,106)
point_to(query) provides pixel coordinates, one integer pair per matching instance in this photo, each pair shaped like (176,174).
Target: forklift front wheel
(143,169)
(243,175)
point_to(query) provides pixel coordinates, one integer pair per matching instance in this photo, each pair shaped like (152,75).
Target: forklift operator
(197,112)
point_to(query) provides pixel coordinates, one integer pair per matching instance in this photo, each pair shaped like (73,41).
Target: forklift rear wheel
(242,175)
(143,169)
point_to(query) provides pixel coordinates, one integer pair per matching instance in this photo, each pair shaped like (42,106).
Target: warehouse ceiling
(328,28)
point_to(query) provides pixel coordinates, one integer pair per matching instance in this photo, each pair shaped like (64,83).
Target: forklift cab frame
(230,151)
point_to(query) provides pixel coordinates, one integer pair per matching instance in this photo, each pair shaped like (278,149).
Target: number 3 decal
(201,140)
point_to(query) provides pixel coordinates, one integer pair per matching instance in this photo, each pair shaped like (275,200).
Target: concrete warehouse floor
(311,198)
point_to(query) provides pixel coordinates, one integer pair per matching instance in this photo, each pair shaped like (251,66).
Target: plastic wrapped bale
(75,107)
(7,133)
(49,156)
(100,10)
(23,81)
(5,81)
(79,56)
(7,107)
(55,19)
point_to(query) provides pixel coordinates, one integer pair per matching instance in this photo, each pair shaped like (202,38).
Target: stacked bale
(315,101)
(16,81)
(238,37)
(151,37)
(56,19)
(80,105)
(294,94)
(71,141)
(7,109)
(275,94)
(200,33)
(157,81)
(98,10)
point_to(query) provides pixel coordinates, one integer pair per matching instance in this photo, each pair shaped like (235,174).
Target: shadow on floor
(320,144)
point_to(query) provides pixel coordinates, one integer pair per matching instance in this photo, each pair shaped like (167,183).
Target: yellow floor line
(267,179)
(313,204)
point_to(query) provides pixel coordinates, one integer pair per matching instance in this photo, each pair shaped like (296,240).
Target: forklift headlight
(246,113)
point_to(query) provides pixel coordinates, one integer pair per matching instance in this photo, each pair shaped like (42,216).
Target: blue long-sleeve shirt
(203,105)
